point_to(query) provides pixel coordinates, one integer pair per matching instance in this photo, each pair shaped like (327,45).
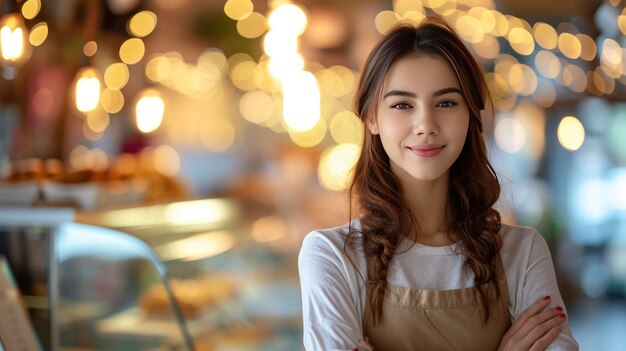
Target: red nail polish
(356,349)
(559,308)
(547,297)
(563,315)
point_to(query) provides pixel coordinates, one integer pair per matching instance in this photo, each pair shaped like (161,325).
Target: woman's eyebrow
(399,93)
(413,95)
(447,90)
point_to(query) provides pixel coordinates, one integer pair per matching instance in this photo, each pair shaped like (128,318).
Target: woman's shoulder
(325,251)
(517,232)
(331,238)
(520,239)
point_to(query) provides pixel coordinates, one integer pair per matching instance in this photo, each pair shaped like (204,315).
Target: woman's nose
(425,123)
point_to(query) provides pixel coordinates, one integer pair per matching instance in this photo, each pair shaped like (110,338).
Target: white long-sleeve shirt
(333,291)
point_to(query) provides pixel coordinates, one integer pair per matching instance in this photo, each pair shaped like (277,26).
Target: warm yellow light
(275,120)
(611,53)
(588,47)
(242,75)
(488,48)
(269,228)
(569,45)
(510,135)
(149,110)
(621,22)
(336,81)
(545,35)
(385,20)
(278,43)
(501,27)
(213,57)
(132,51)
(112,100)
(310,137)
(571,133)
(301,101)
(402,7)
(238,9)
(448,8)
(470,28)
(433,4)
(166,160)
(256,106)
(522,79)
(90,48)
(547,64)
(38,34)
(486,17)
(87,89)
(413,17)
(252,26)
(209,213)
(288,18)
(533,118)
(157,69)
(521,41)
(346,127)
(283,67)
(31,8)
(13,39)
(116,76)
(196,247)
(263,79)
(336,166)
(97,120)
(142,23)
(603,81)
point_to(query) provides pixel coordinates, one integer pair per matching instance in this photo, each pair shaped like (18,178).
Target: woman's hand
(534,329)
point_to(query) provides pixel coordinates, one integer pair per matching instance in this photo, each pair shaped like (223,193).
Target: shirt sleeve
(330,297)
(540,280)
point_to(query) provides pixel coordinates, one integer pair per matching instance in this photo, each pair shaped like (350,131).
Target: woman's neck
(428,201)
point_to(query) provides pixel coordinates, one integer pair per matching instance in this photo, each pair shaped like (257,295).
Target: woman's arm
(330,297)
(538,279)
(534,329)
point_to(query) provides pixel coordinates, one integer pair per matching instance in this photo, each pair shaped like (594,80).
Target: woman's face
(422,118)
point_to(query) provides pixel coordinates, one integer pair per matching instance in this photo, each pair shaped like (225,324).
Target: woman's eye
(446,104)
(401,106)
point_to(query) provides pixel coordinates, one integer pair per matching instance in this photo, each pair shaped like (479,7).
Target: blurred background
(159,148)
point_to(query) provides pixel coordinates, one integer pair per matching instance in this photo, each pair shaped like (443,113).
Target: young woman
(427,264)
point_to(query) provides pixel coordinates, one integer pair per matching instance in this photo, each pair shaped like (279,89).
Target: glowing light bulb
(87,88)
(149,110)
(14,45)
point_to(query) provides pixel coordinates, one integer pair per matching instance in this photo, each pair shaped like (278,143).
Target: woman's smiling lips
(426,150)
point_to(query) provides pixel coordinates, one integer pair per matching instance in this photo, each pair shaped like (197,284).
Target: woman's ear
(373,127)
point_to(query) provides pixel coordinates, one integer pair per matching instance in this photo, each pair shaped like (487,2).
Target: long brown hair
(385,217)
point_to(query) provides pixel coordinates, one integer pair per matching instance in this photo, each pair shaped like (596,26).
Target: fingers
(541,322)
(543,334)
(543,342)
(535,328)
(530,312)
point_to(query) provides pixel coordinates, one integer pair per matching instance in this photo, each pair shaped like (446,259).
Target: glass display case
(178,276)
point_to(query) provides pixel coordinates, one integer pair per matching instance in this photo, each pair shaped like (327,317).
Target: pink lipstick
(427,150)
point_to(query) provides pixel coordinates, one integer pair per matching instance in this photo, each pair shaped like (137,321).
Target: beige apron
(431,320)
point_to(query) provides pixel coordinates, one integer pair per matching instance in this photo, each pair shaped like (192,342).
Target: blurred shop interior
(153,150)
